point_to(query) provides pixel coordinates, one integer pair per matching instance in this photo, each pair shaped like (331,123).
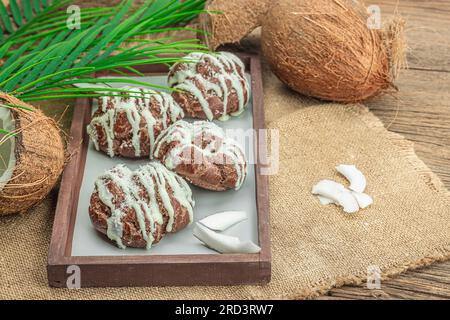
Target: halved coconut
(31,160)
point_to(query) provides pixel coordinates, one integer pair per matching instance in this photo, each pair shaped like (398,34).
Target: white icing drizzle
(136,109)
(184,134)
(184,79)
(155,179)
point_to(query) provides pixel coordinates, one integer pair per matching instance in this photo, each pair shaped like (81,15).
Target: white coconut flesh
(7,144)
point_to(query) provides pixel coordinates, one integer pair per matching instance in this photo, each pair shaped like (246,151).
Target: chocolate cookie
(210,85)
(128,126)
(137,208)
(201,153)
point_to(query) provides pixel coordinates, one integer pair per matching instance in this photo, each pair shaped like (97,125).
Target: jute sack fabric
(314,247)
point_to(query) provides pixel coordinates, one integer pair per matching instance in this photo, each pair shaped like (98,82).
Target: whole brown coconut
(32,160)
(325,49)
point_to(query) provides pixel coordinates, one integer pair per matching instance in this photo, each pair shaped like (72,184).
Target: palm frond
(49,65)
(18,18)
(34,20)
(80,53)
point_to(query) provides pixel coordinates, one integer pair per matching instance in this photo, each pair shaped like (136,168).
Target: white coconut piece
(354,176)
(364,200)
(7,146)
(223,220)
(223,243)
(325,201)
(348,202)
(338,193)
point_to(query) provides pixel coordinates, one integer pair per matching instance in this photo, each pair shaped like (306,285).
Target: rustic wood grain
(421,113)
(427,30)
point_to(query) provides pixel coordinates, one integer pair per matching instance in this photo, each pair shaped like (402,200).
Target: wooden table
(421,113)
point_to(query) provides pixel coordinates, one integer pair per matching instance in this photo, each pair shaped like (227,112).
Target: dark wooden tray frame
(184,270)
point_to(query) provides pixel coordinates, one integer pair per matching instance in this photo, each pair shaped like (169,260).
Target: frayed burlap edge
(406,149)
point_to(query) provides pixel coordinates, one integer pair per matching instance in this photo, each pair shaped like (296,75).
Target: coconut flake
(338,193)
(364,200)
(223,243)
(354,176)
(325,201)
(223,220)
(7,146)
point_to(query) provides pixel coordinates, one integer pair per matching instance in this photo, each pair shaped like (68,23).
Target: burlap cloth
(314,247)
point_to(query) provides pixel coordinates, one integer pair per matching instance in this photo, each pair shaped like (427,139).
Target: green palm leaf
(51,61)
(33,20)
(15,22)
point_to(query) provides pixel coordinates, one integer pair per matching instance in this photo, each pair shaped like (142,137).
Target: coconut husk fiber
(230,21)
(39,154)
(314,247)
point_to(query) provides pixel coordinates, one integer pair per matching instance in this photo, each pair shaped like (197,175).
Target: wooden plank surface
(421,113)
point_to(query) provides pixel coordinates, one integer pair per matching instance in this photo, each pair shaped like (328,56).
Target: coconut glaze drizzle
(184,134)
(186,78)
(155,179)
(136,108)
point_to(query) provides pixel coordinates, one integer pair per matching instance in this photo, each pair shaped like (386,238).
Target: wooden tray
(155,270)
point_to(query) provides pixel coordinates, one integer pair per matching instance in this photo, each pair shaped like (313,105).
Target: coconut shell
(228,21)
(40,157)
(325,49)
